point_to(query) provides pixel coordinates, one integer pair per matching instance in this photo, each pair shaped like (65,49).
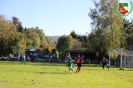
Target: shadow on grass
(126,69)
(121,69)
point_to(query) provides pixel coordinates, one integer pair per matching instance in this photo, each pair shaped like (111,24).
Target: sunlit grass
(46,75)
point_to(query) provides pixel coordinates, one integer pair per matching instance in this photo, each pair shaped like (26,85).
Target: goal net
(126,57)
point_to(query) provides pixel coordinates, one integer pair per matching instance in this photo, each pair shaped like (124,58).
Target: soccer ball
(58,69)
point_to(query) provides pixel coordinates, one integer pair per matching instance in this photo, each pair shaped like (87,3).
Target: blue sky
(55,17)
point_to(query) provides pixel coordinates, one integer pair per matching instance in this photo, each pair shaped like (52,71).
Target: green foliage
(73,34)
(17,23)
(50,45)
(19,38)
(107,27)
(79,40)
(18,44)
(34,37)
(83,39)
(128,31)
(64,43)
(40,33)
(11,41)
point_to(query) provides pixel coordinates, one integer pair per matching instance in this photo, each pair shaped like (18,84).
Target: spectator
(83,57)
(19,56)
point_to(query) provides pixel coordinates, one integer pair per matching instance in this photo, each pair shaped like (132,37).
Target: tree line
(15,38)
(109,31)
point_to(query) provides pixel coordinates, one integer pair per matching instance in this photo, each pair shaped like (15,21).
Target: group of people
(69,62)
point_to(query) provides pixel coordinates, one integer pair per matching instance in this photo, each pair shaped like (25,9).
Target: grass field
(46,75)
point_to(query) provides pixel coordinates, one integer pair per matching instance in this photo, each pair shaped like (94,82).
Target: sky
(55,17)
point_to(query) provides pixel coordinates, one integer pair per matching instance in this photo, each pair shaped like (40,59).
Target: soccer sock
(79,68)
(103,66)
(108,67)
(69,69)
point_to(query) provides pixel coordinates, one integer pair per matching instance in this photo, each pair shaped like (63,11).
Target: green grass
(46,75)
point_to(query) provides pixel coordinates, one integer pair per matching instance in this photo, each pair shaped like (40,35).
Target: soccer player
(104,62)
(78,60)
(23,59)
(69,61)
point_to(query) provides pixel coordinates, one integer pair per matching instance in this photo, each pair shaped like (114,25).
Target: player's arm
(65,59)
(71,59)
(107,61)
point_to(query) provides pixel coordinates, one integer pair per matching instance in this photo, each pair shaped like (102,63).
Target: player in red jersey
(78,60)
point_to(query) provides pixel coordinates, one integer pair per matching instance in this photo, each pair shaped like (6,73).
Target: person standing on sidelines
(79,61)
(83,57)
(104,62)
(68,61)
(19,56)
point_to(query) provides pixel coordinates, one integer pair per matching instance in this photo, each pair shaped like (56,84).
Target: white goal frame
(126,57)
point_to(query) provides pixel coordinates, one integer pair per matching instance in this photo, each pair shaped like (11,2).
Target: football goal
(125,57)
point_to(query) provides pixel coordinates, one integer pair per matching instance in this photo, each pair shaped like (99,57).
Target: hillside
(54,38)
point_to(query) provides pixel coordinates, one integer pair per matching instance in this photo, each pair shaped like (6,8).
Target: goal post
(126,57)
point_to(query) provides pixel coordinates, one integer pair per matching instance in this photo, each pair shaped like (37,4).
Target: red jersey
(79,60)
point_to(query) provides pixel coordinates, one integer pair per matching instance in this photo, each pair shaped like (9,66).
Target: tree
(50,45)
(128,26)
(73,34)
(40,33)
(17,23)
(107,27)
(11,41)
(80,38)
(35,38)
(64,43)
(77,45)
(32,39)
(83,39)
(17,42)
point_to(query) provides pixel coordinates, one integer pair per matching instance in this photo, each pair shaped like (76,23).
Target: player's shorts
(103,64)
(69,64)
(79,64)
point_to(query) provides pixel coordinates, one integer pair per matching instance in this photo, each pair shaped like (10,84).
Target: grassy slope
(45,75)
